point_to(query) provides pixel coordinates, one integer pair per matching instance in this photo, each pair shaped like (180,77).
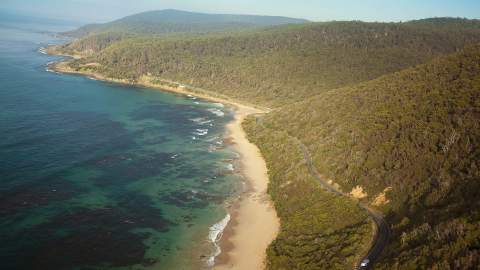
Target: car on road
(364,263)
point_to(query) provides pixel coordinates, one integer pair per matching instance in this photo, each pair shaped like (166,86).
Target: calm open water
(102,176)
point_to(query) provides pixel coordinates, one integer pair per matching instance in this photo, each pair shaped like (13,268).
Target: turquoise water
(102,176)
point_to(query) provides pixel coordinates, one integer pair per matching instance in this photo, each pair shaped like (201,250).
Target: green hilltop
(389,112)
(413,135)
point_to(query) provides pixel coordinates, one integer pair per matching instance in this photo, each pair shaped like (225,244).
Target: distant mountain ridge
(175,21)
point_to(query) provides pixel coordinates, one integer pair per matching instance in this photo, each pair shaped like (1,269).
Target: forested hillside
(96,37)
(389,111)
(319,230)
(288,63)
(410,142)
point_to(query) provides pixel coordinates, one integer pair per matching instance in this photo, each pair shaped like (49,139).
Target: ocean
(96,175)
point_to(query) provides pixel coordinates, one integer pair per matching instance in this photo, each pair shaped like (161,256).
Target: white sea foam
(197,120)
(51,70)
(212,138)
(230,167)
(42,50)
(215,234)
(202,121)
(220,105)
(206,122)
(201,132)
(217,112)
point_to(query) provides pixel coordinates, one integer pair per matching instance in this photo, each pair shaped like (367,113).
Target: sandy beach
(254,223)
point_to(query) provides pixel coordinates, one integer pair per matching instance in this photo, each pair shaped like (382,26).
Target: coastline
(156,83)
(253,223)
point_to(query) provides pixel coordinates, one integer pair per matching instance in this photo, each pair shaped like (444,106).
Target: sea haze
(102,176)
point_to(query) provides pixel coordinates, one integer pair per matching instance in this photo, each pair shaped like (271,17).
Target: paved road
(383,230)
(381,237)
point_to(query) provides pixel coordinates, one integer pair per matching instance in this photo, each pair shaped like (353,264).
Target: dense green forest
(389,110)
(319,230)
(414,134)
(282,64)
(96,37)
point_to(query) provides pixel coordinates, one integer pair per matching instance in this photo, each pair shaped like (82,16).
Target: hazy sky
(317,10)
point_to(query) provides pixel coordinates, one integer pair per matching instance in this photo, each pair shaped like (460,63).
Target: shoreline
(253,223)
(157,83)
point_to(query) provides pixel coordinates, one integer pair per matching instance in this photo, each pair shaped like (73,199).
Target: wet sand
(254,224)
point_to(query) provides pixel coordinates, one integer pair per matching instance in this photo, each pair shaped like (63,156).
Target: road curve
(382,231)
(380,239)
